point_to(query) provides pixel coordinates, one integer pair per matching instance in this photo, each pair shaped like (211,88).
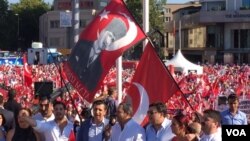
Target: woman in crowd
(179,127)
(2,130)
(23,131)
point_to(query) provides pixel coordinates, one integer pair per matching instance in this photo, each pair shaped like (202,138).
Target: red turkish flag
(105,39)
(152,82)
(72,136)
(27,73)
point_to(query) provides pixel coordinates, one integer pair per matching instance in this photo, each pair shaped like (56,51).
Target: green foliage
(23,16)
(3,8)
(7,30)
(156,19)
(29,12)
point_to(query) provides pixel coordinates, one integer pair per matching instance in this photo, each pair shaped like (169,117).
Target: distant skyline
(50,1)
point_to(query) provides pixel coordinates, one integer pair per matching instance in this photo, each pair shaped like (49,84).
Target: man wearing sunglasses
(158,128)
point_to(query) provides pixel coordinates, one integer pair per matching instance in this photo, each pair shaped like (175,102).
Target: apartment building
(217,31)
(56,27)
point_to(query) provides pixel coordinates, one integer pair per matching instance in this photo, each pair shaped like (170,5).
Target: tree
(156,19)
(6,26)
(29,12)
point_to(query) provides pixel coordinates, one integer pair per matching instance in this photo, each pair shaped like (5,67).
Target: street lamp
(17,26)
(69,16)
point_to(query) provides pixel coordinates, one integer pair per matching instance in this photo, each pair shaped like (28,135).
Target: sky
(169,1)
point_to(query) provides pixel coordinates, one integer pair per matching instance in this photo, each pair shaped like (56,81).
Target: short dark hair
(233,97)
(86,113)
(59,103)
(111,90)
(127,108)
(160,107)
(11,93)
(1,100)
(42,98)
(213,114)
(100,102)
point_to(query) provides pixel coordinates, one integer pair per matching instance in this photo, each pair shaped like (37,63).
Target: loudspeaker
(43,89)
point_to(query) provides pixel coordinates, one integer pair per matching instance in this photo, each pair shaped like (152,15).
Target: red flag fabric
(72,136)
(111,33)
(152,82)
(27,72)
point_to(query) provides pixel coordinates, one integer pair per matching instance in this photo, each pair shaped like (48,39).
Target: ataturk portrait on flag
(110,33)
(90,68)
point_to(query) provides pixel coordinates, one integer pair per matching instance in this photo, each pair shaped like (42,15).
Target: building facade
(217,31)
(56,27)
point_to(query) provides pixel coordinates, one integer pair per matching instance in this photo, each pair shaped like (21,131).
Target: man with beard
(57,129)
(45,112)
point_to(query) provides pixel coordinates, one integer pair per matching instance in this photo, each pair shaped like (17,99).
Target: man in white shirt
(58,129)
(45,113)
(126,128)
(211,126)
(45,110)
(158,128)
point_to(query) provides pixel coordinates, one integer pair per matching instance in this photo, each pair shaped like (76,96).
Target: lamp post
(69,15)
(17,26)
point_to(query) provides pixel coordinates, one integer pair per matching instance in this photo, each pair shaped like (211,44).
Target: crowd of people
(40,118)
(52,122)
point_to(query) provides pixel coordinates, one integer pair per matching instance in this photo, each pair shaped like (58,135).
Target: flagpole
(76,21)
(119,78)
(145,20)
(174,40)
(180,34)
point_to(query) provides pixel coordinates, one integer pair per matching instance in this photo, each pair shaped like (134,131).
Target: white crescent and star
(26,68)
(125,40)
(142,109)
(104,14)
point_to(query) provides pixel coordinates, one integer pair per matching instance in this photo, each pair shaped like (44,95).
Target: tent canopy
(180,63)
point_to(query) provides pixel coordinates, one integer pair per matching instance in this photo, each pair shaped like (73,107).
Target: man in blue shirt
(233,116)
(159,127)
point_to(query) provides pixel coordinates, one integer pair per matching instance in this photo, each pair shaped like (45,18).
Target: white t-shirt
(52,131)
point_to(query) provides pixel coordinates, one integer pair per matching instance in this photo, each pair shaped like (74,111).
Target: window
(168,10)
(191,31)
(191,41)
(54,24)
(167,19)
(244,38)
